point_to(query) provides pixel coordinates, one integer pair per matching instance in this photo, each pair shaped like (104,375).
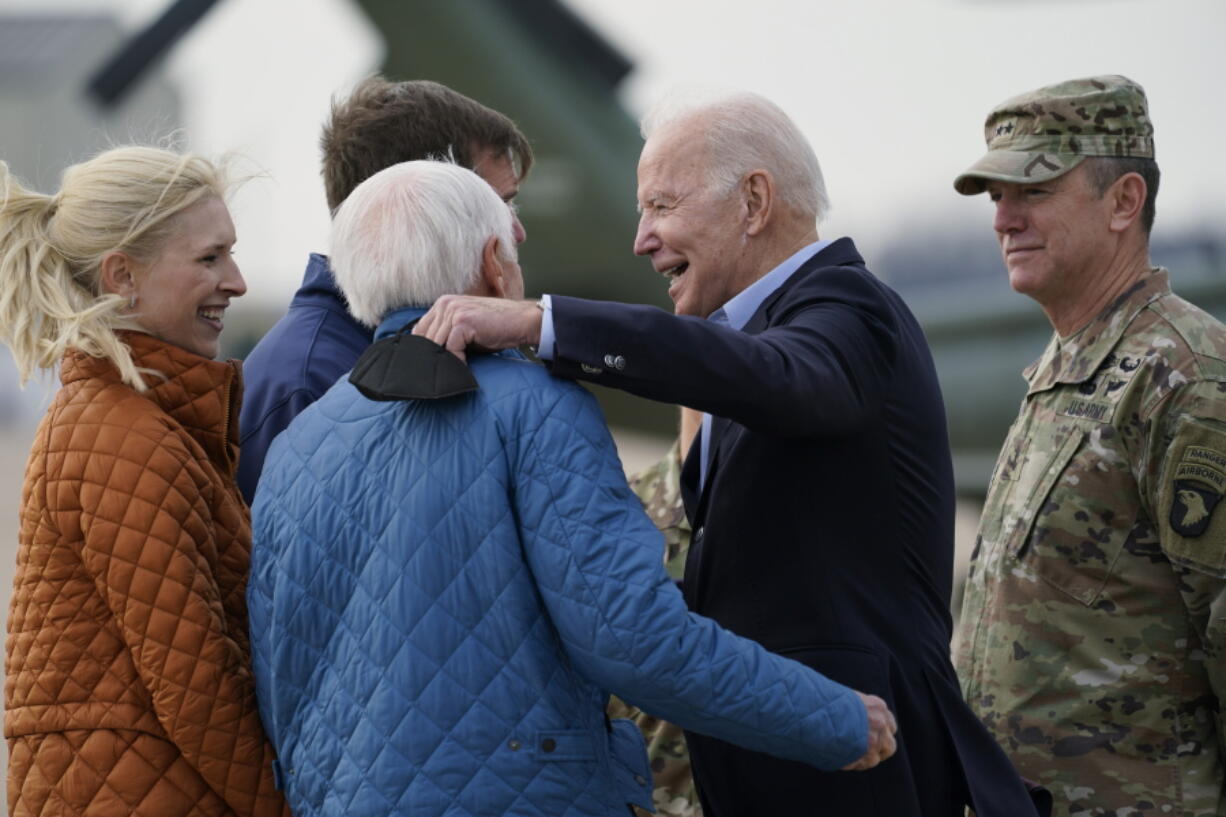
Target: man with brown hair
(380,124)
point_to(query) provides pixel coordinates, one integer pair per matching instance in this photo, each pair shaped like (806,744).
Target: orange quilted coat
(128,688)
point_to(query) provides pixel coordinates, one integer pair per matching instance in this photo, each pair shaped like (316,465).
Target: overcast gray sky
(892,94)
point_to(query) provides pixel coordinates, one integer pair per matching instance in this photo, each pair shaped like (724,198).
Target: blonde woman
(128,688)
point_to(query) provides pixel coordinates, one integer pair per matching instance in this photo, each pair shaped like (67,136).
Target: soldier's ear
(1127,195)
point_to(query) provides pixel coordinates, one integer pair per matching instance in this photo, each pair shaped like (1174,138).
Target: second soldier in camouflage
(1094,623)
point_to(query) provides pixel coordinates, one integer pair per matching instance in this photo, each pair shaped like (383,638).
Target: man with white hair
(820,488)
(443,591)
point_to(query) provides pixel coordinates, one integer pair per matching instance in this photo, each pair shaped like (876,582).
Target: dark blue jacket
(291,367)
(824,529)
(442,592)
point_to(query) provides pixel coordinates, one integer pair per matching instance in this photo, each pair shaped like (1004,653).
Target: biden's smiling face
(688,227)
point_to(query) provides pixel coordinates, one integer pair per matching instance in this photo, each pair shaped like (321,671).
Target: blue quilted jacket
(443,593)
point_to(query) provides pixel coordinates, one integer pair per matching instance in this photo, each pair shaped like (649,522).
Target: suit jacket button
(615,362)
(548,745)
(514,745)
(698,533)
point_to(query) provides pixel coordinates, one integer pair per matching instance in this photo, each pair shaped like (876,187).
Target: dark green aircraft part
(578,202)
(523,58)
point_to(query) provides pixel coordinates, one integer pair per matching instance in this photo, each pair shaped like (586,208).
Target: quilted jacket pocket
(561,745)
(631,768)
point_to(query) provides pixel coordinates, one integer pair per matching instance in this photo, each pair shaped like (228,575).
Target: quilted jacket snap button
(548,745)
(642,781)
(514,745)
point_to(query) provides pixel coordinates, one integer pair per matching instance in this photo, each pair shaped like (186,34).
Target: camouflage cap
(1046,133)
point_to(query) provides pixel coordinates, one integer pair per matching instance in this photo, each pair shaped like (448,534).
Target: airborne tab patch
(1201,473)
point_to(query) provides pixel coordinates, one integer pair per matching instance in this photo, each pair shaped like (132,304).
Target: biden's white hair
(744,131)
(412,233)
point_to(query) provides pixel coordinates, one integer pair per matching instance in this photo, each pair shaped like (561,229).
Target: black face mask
(405,366)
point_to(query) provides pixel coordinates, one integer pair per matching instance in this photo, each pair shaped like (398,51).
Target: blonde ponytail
(51,250)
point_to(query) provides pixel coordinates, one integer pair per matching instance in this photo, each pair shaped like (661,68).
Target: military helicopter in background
(546,68)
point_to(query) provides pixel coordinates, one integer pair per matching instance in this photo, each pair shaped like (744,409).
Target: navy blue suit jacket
(824,529)
(304,353)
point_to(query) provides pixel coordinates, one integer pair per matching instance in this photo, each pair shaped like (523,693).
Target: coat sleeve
(149,544)
(596,558)
(819,368)
(1184,489)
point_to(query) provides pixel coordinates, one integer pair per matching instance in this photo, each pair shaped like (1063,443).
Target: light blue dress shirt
(742,306)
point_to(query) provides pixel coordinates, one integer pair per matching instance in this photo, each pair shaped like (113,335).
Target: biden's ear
(758,189)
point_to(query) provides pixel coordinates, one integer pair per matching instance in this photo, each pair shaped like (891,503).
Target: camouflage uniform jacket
(1093,634)
(674,795)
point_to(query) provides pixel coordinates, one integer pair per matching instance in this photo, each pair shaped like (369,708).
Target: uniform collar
(1076,358)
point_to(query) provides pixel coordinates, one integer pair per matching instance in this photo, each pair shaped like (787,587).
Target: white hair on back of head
(412,233)
(744,131)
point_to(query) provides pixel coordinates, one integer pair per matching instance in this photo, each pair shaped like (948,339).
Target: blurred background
(892,94)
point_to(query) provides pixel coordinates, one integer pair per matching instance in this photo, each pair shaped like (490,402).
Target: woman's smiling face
(182,295)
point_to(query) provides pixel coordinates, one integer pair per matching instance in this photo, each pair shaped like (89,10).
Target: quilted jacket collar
(200,394)
(395,320)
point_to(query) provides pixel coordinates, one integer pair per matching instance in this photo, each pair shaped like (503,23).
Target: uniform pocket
(1079,515)
(631,768)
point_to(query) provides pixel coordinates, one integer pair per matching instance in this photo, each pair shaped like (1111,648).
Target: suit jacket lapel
(689,478)
(724,432)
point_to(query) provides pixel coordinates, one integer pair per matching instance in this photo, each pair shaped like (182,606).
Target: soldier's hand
(881,729)
(460,322)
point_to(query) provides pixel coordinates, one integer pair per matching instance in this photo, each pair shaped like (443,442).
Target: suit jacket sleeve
(816,368)
(597,561)
(155,577)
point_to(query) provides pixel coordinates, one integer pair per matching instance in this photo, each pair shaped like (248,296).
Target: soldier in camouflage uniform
(1093,631)
(674,795)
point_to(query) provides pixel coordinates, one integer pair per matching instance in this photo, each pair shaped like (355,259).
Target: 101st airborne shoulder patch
(1199,484)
